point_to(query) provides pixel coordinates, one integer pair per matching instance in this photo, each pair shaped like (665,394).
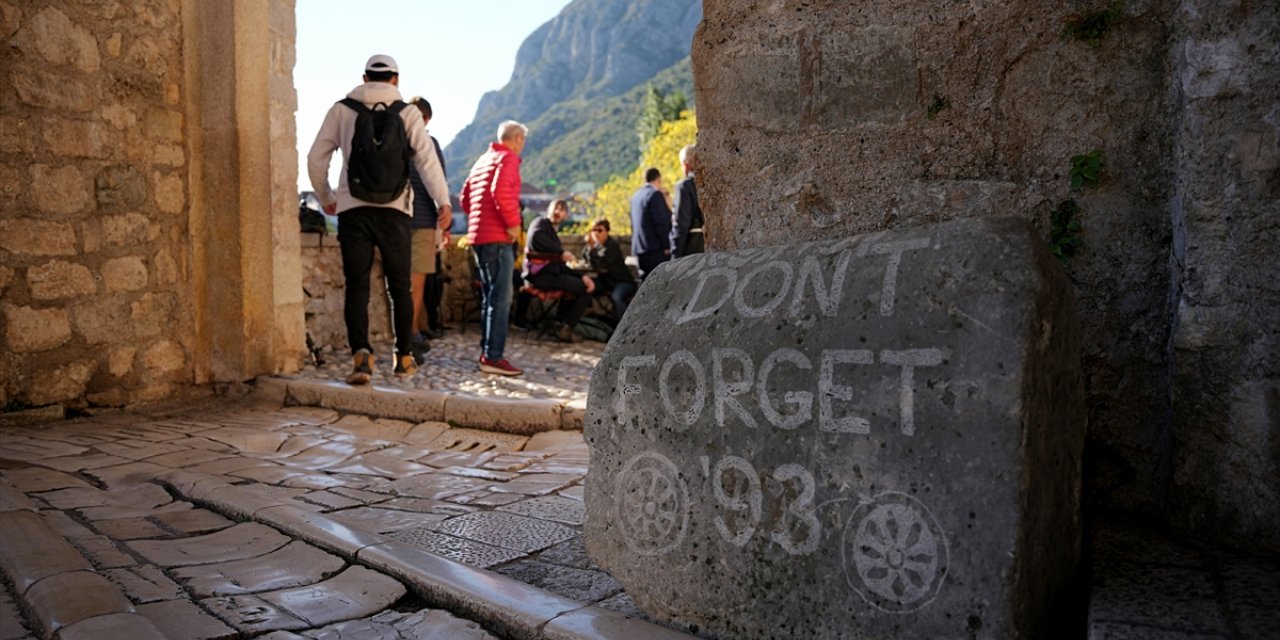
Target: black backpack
(378,169)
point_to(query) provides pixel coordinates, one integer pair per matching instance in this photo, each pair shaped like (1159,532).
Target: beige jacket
(335,133)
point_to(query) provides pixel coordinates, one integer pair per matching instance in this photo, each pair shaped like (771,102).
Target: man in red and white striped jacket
(491,198)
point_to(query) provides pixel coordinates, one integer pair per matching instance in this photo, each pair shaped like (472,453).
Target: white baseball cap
(382,63)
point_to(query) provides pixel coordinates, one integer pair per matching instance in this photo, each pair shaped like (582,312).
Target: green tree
(658,108)
(613,199)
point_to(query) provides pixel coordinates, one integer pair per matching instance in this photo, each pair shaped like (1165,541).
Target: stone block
(170,155)
(162,358)
(15,135)
(890,425)
(113,44)
(125,274)
(171,195)
(121,187)
(119,116)
(76,138)
(104,320)
(60,189)
(164,125)
(52,90)
(65,383)
(51,35)
(6,276)
(125,229)
(25,236)
(29,330)
(58,279)
(166,268)
(153,313)
(11,187)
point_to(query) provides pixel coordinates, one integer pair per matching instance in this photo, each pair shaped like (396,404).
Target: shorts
(424,251)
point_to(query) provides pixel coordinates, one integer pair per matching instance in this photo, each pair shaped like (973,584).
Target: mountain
(578,84)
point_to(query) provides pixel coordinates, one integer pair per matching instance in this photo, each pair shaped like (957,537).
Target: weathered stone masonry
(117,265)
(848,118)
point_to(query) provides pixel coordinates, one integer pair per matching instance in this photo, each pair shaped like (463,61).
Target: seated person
(605,257)
(545,269)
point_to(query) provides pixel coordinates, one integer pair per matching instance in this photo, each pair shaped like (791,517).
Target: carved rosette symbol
(653,504)
(895,554)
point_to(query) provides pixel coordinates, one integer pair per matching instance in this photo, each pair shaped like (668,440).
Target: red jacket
(491,196)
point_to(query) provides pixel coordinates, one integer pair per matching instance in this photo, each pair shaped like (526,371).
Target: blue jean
(494,264)
(620,294)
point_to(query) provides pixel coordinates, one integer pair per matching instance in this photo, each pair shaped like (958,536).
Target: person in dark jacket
(686,229)
(605,257)
(545,268)
(650,224)
(430,233)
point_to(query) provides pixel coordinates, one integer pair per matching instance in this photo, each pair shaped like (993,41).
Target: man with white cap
(374,202)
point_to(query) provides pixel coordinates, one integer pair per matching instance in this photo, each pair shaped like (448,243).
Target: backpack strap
(354,105)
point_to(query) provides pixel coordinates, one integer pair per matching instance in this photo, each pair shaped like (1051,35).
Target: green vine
(1086,170)
(1092,26)
(1064,221)
(1064,231)
(939,105)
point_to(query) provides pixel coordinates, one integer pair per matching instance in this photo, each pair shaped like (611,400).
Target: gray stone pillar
(1226,341)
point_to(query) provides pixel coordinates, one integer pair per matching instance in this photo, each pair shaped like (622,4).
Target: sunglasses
(598,230)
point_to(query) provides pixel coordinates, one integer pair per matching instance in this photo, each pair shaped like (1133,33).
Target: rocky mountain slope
(578,83)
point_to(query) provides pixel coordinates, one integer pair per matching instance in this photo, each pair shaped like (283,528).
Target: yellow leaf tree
(613,199)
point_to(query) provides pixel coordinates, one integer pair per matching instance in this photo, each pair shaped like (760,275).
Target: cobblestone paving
(81,512)
(551,369)
(1146,586)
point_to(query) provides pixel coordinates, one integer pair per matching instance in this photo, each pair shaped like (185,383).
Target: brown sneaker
(362,372)
(406,366)
(498,367)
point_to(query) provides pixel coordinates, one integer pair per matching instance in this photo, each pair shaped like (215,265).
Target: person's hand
(513,234)
(566,257)
(445,212)
(591,284)
(331,209)
(445,239)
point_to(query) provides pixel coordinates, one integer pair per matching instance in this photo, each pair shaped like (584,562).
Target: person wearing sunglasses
(605,257)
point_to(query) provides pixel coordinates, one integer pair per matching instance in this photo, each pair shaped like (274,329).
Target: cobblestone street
(239,519)
(551,369)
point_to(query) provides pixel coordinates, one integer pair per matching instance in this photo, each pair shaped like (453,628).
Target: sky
(449,51)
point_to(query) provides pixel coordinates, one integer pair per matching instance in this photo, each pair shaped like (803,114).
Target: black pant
(650,261)
(571,308)
(434,293)
(359,231)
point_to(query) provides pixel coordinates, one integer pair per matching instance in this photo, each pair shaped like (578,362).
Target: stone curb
(502,604)
(516,416)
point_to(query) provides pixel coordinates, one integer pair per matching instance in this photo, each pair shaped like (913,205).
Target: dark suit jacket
(650,222)
(688,216)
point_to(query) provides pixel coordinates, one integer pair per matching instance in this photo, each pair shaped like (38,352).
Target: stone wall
(1226,223)
(851,118)
(322,284)
(93,232)
(103,125)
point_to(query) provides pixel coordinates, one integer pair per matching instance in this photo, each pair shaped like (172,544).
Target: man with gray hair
(686,224)
(491,198)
